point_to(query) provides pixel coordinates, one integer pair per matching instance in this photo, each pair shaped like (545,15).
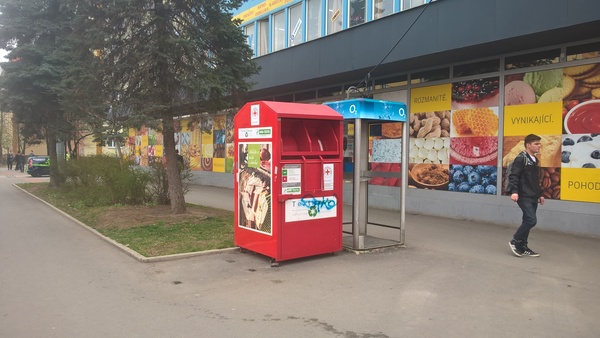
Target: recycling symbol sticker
(312,211)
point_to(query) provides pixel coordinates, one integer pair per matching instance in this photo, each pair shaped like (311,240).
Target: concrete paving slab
(453,279)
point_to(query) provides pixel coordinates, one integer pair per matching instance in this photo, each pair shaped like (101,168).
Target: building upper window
(263,37)
(357,10)
(382,8)
(110,143)
(249,32)
(313,19)
(278,31)
(334,16)
(296,25)
(408,4)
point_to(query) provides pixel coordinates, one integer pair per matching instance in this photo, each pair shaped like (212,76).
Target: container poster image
(385,151)
(254,195)
(563,107)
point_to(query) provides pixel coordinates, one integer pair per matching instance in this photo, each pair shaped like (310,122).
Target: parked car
(38,165)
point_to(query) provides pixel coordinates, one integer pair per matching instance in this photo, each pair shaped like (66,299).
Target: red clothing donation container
(288,179)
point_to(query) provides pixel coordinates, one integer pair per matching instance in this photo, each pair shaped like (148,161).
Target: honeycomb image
(459,119)
(476,121)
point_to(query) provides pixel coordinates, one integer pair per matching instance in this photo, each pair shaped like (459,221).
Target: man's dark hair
(531,138)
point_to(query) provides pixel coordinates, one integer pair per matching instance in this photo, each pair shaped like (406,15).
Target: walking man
(525,190)
(9,160)
(22,161)
(17,159)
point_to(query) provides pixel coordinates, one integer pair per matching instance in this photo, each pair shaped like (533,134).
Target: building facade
(417,52)
(476,75)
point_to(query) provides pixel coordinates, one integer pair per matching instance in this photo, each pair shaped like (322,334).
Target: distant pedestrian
(526,192)
(17,160)
(180,161)
(9,160)
(23,161)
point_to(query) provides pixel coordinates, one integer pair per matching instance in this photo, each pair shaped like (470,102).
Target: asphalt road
(454,279)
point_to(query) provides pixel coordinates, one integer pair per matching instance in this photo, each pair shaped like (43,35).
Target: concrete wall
(564,216)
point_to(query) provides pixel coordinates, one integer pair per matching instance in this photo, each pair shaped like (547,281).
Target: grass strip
(165,235)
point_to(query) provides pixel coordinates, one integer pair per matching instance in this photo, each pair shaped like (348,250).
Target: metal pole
(404,159)
(356,189)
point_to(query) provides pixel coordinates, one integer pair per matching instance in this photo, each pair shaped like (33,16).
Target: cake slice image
(478,150)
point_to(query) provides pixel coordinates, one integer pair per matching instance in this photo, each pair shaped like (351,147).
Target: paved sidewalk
(453,279)
(462,274)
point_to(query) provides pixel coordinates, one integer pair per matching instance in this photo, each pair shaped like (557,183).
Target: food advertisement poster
(206,143)
(563,107)
(254,195)
(455,146)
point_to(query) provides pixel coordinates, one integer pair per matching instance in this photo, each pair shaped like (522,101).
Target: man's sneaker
(516,248)
(528,252)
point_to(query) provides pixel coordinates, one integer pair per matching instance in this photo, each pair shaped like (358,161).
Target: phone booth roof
(370,109)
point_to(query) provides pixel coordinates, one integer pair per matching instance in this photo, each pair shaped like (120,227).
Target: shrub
(158,185)
(104,180)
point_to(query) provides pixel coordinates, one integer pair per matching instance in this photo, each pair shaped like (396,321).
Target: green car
(38,165)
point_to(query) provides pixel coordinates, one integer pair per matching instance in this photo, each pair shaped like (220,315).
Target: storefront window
(263,37)
(581,52)
(278,31)
(382,8)
(430,75)
(356,11)
(249,32)
(390,82)
(295,25)
(533,59)
(313,14)
(481,67)
(334,17)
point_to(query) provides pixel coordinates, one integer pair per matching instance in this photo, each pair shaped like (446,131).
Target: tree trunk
(173,173)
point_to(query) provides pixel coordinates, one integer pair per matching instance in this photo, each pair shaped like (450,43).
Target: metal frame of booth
(362,112)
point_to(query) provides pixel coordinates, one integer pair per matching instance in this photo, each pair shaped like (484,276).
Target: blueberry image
(584,138)
(464,187)
(490,190)
(566,156)
(568,142)
(467,169)
(474,178)
(477,189)
(457,167)
(596,154)
(493,178)
(589,165)
(451,186)
(485,181)
(458,177)
(485,169)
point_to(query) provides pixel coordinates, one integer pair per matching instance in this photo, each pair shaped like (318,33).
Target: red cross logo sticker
(327,172)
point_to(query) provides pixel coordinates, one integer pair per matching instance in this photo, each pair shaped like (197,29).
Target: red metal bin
(288,179)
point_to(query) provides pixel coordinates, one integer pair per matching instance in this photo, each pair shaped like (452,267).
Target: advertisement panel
(254,195)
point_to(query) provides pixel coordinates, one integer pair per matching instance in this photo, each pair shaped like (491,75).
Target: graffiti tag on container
(315,205)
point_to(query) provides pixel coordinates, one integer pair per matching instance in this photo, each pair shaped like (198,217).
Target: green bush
(158,186)
(104,180)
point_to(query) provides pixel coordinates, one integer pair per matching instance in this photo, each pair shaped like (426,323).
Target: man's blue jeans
(529,208)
